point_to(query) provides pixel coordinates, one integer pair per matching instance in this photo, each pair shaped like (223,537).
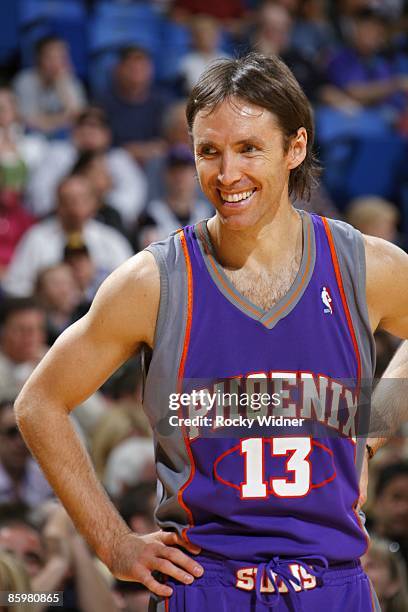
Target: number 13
(255,485)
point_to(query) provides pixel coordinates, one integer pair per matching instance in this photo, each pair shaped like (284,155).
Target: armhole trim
(164,292)
(343,298)
(180,376)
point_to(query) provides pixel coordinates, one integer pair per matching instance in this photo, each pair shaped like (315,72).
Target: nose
(230,172)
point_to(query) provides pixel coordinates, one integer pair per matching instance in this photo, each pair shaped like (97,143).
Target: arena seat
(115,25)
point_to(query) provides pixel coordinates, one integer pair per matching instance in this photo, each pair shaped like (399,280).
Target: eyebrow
(251,139)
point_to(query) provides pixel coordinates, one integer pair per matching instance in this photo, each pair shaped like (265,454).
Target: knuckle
(173,554)
(161,565)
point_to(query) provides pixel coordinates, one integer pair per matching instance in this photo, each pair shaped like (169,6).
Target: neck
(268,242)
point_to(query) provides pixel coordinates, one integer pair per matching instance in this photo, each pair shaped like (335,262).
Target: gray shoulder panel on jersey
(350,252)
(172,461)
(349,245)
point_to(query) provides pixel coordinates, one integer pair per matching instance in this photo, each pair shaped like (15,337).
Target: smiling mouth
(236,198)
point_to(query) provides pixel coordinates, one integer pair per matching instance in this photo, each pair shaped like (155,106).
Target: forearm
(93,592)
(50,576)
(48,123)
(389,408)
(370,93)
(49,433)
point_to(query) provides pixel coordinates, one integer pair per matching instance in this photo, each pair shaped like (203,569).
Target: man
(49,94)
(43,245)
(391,505)
(22,342)
(364,72)
(134,107)
(22,484)
(91,133)
(235,300)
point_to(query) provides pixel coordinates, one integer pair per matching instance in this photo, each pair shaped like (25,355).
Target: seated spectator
(14,222)
(20,152)
(93,166)
(58,293)
(49,95)
(57,559)
(22,342)
(91,133)
(21,479)
(390,506)
(206,39)
(20,538)
(77,257)
(43,245)
(388,574)
(179,206)
(343,13)
(274,34)
(129,463)
(374,216)
(134,106)
(175,132)
(366,75)
(313,34)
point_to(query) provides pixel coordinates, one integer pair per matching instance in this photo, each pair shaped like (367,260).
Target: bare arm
(94,594)
(371,93)
(122,317)
(387,297)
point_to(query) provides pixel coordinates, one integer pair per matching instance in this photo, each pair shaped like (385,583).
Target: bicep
(387,286)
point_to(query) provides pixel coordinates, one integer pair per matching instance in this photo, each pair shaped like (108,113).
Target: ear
(297,149)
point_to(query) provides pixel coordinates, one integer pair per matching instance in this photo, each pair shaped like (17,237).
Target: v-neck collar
(268,318)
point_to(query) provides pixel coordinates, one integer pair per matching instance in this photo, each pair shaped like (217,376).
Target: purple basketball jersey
(246,491)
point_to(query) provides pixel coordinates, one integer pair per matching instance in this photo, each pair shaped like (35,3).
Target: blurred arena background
(95,163)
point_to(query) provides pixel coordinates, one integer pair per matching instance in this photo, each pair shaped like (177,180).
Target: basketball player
(257,520)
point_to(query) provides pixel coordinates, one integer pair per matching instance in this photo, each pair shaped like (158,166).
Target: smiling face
(242,163)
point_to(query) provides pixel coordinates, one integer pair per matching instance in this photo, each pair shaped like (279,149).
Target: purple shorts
(302,585)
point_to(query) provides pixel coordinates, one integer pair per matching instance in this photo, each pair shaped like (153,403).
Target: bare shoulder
(387,284)
(127,302)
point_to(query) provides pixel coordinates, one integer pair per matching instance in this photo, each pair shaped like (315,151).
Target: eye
(249,148)
(206,151)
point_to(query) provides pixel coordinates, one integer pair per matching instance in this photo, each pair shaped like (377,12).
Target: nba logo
(327,300)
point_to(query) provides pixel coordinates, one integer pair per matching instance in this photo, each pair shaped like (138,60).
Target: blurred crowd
(95,164)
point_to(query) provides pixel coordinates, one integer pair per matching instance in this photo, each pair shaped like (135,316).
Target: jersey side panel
(172,460)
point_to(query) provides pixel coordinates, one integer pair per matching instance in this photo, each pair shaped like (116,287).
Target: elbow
(22,409)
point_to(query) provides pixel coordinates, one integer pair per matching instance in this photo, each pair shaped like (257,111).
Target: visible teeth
(236,197)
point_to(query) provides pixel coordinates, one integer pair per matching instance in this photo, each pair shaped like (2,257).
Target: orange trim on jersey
(180,376)
(343,297)
(300,285)
(189,308)
(353,339)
